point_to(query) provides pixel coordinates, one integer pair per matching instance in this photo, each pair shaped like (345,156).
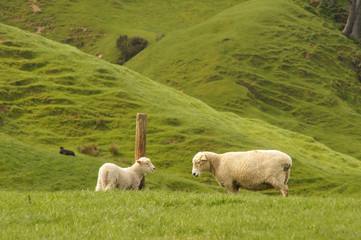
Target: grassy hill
(93,26)
(212,52)
(28,168)
(270,60)
(265,74)
(54,95)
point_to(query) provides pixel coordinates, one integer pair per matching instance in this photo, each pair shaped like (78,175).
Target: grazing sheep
(253,170)
(112,176)
(66,152)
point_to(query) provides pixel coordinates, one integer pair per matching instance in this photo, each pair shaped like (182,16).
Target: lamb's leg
(99,185)
(142,183)
(110,186)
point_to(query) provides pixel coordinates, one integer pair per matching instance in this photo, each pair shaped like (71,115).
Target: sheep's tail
(287,169)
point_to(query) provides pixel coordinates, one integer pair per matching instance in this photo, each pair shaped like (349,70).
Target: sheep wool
(111,176)
(252,170)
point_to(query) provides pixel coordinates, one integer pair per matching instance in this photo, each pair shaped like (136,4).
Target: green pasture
(175,215)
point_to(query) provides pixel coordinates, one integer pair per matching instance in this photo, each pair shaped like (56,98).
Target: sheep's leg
(98,187)
(279,181)
(288,173)
(284,191)
(281,186)
(100,184)
(232,187)
(284,187)
(110,186)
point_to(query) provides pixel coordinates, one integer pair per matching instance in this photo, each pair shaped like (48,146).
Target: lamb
(252,170)
(112,176)
(66,152)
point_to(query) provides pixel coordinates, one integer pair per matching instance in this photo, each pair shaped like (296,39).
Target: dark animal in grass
(66,152)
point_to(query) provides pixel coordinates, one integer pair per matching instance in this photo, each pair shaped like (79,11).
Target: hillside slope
(270,60)
(28,168)
(93,26)
(54,95)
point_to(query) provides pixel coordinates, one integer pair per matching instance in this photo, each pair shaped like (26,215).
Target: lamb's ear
(139,161)
(203,158)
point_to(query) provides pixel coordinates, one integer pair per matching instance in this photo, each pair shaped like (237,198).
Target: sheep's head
(200,164)
(146,164)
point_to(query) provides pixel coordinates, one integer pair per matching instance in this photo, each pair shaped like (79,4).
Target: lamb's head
(146,164)
(200,164)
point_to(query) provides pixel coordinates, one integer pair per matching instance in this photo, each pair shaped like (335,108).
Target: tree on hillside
(353,24)
(130,47)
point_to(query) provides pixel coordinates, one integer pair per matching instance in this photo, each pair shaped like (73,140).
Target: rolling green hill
(93,26)
(29,168)
(217,76)
(303,77)
(270,60)
(55,95)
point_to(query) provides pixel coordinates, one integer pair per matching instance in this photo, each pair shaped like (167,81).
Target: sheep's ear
(139,161)
(203,158)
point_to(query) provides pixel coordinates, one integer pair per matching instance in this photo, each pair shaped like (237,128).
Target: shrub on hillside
(113,149)
(89,149)
(129,47)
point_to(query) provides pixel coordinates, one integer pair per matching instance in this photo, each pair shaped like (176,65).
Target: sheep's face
(200,164)
(146,164)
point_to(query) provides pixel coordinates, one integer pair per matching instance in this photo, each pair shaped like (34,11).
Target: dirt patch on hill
(39,29)
(36,8)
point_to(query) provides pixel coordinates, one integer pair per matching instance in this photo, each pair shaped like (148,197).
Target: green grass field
(175,215)
(227,76)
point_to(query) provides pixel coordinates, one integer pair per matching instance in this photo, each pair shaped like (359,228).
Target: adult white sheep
(253,170)
(112,176)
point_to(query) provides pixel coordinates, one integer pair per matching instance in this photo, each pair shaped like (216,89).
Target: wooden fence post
(140,140)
